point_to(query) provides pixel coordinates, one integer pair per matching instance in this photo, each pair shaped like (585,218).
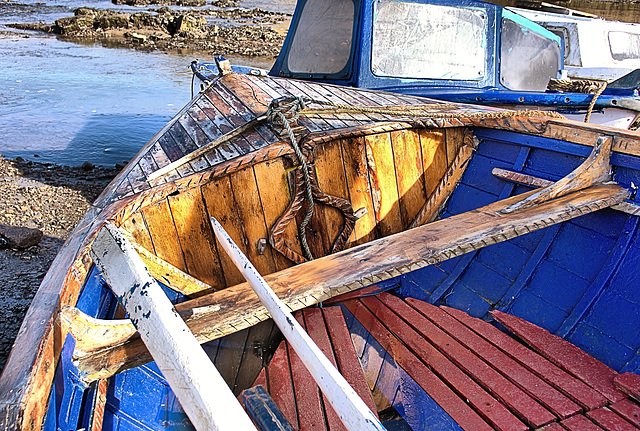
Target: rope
(597,94)
(580,86)
(284,115)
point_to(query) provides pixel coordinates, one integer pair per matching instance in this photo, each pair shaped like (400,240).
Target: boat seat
(290,384)
(465,373)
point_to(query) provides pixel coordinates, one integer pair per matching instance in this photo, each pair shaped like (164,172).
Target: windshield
(412,40)
(624,45)
(322,42)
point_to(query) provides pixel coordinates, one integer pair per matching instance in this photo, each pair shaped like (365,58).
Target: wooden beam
(201,390)
(217,314)
(351,409)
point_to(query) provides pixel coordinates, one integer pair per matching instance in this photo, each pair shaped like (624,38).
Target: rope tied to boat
(284,112)
(580,86)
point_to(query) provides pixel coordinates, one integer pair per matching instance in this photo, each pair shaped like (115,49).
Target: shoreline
(44,196)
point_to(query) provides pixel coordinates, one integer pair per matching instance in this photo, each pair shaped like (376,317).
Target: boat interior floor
(464,372)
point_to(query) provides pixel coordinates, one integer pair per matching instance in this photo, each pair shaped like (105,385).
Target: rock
(20,237)
(87,166)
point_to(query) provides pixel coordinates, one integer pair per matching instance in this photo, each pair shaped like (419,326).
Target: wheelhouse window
(624,46)
(412,40)
(527,59)
(323,38)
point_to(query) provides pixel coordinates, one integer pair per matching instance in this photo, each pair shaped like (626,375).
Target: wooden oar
(201,390)
(351,409)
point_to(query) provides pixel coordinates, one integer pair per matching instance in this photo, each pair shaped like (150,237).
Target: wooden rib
(434,158)
(445,188)
(454,138)
(382,178)
(236,307)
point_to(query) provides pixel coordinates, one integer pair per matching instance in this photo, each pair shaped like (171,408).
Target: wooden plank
(609,420)
(317,330)
(537,388)
(345,354)
(273,189)
(352,410)
(628,410)
(231,118)
(252,218)
(332,180)
(308,396)
(629,383)
(197,384)
(163,234)
(524,406)
(434,158)
(454,138)
(355,166)
(281,386)
(457,408)
(219,201)
(577,390)
(229,357)
(252,361)
(382,179)
(579,423)
(137,227)
(237,307)
(407,156)
(553,427)
(196,238)
(564,354)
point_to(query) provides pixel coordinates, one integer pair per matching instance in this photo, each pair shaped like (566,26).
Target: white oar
(353,412)
(198,385)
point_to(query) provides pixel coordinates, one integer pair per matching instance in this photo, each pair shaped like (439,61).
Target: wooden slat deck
(485,379)
(291,385)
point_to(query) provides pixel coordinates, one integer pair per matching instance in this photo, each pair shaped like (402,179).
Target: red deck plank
(629,383)
(464,415)
(577,390)
(315,326)
(345,354)
(308,400)
(544,393)
(280,387)
(610,420)
(553,427)
(495,383)
(564,354)
(628,410)
(580,423)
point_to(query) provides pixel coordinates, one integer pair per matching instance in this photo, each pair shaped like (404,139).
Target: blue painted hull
(577,279)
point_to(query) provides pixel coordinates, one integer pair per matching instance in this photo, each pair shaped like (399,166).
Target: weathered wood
(98,406)
(263,410)
(407,157)
(629,383)
(303,285)
(518,401)
(197,384)
(609,420)
(433,386)
(444,189)
(280,386)
(594,170)
(541,391)
(577,390)
(382,178)
(353,412)
(163,234)
(564,354)
(579,423)
(629,410)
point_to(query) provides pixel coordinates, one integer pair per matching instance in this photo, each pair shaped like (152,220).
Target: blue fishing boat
(463,51)
(408,234)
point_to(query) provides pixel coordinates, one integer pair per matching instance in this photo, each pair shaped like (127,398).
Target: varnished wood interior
(387,177)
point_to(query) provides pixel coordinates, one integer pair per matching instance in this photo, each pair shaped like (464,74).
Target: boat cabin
(419,46)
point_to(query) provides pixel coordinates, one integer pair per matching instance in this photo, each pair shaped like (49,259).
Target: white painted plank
(351,409)
(203,394)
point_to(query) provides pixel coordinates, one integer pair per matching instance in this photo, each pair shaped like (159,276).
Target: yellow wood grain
(407,156)
(137,227)
(434,158)
(163,234)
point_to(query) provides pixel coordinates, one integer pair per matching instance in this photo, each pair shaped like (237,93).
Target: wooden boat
(462,51)
(487,212)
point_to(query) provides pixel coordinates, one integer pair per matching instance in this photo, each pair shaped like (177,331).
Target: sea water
(70,103)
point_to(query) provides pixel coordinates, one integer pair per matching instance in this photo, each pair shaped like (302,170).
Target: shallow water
(68,103)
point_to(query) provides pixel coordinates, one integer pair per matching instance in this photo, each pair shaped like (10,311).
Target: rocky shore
(41,203)
(247,32)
